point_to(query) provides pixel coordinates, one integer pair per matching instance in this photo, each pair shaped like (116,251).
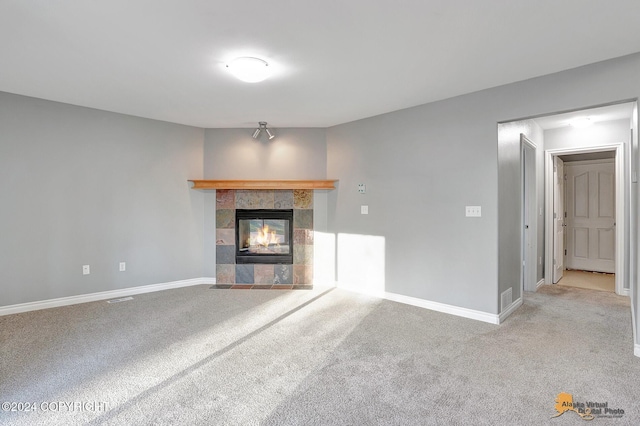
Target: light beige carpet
(195,356)
(589,280)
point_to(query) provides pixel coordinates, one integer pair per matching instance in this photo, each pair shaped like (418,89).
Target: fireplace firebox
(264,236)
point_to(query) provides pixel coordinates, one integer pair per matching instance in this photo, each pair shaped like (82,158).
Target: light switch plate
(364,209)
(86,269)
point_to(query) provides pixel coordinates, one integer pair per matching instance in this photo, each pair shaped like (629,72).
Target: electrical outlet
(473,211)
(123,266)
(362,188)
(86,269)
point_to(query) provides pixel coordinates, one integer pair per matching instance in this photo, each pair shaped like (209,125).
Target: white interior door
(591,236)
(558,219)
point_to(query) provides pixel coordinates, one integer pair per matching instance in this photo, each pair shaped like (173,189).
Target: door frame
(621,225)
(558,228)
(529,264)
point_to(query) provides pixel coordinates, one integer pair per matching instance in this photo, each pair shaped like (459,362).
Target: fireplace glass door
(264,236)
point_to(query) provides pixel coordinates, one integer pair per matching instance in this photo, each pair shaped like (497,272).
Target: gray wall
(424,164)
(421,167)
(82,186)
(294,153)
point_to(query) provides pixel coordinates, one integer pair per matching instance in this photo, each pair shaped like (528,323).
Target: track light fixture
(262,125)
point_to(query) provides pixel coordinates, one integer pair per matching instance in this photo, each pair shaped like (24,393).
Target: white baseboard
(427,304)
(511,309)
(636,350)
(444,308)
(540,283)
(624,292)
(92,297)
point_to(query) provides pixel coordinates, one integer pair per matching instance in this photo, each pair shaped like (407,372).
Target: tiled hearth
(298,275)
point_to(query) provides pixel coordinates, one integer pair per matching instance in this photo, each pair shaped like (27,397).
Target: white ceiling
(622,111)
(334,61)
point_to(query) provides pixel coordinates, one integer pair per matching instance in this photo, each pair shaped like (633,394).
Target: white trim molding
(511,309)
(103,295)
(444,308)
(423,303)
(540,283)
(636,350)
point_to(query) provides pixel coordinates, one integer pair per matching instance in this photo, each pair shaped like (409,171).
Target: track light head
(262,125)
(270,134)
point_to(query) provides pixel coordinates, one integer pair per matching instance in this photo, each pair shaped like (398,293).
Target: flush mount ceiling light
(581,122)
(263,126)
(248,69)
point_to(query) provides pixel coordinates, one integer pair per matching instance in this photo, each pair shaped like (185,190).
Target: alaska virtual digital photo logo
(586,410)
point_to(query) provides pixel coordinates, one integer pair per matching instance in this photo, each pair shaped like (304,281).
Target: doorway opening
(588,201)
(552,137)
(585,212)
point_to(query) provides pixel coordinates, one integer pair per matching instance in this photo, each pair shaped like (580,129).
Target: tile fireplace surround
(298,275)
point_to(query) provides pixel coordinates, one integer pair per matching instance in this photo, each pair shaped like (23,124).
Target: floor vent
(506,299)
(122,299)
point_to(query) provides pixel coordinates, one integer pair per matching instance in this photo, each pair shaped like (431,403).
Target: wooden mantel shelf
(263,184)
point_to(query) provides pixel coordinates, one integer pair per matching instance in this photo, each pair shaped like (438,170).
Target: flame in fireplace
(265,237)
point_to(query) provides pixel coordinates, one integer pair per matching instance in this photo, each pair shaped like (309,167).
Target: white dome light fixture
(249,69)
